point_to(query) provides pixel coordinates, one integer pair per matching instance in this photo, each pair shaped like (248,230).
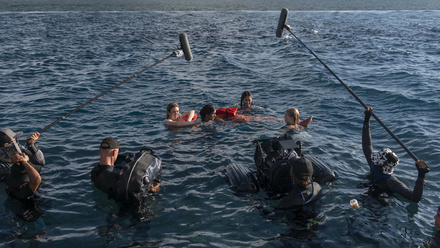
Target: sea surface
(53,60)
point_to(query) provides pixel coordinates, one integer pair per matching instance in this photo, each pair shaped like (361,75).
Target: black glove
(422,170)
(367,116)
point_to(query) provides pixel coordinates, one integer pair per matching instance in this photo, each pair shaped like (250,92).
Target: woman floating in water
(246,103)
(175,119)
(291,117)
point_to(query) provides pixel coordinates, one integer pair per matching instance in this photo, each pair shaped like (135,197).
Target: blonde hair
(293,112)
(171,106)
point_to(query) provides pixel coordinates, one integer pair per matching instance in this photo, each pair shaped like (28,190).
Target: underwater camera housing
(271,158)
(273,170)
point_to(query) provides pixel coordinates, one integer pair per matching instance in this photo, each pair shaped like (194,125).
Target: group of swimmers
(208,113)
(20,166)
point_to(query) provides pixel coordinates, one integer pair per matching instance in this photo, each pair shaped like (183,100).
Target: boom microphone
(185,47)
(282,22)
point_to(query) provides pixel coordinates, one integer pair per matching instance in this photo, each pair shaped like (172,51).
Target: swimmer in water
(176,119)
(208,113)
(291,117)
(246,102)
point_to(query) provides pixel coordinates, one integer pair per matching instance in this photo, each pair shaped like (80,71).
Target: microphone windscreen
(282,22)
(185,46)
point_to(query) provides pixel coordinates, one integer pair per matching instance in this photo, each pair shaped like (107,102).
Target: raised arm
(34,176)
(36,156)
(306,122)
(367,147)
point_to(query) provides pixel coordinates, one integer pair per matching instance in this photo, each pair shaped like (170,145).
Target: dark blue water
(52,62)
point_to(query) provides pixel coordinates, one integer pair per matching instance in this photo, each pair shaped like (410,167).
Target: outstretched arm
(306,122)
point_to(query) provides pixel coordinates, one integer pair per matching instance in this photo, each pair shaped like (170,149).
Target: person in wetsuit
(434,242)
(21,171)
(382,164)
(304,190)
(8,150)
(105,174)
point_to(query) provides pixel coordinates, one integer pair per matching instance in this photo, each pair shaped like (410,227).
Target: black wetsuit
(17,178)
(297,198)
(36,159)
(388,183)
(435,241)
(105,178)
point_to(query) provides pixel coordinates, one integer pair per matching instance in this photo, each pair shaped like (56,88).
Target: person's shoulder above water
(291,117)
(304,189)
(129,179)
(20,166)
(175,119)
(247,103)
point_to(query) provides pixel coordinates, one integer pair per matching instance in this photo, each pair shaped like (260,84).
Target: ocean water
(53,61)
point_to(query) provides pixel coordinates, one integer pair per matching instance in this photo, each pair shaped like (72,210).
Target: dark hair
(206,110)
(243,95)
(4,139)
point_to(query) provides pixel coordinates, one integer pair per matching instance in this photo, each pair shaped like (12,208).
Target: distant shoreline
(215,5)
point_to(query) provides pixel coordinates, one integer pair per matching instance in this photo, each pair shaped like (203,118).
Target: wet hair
(206,110)
(244,95)
(171,106)
(293,112)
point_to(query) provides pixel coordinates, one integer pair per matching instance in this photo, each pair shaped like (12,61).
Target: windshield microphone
(185,47)
(282,22)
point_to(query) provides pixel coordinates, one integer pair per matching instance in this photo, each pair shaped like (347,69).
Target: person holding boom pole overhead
(382,164)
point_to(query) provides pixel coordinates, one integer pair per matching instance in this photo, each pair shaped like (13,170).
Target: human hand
(422,167)
(154,187)
(18,158)
(33,138)
(368,111)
